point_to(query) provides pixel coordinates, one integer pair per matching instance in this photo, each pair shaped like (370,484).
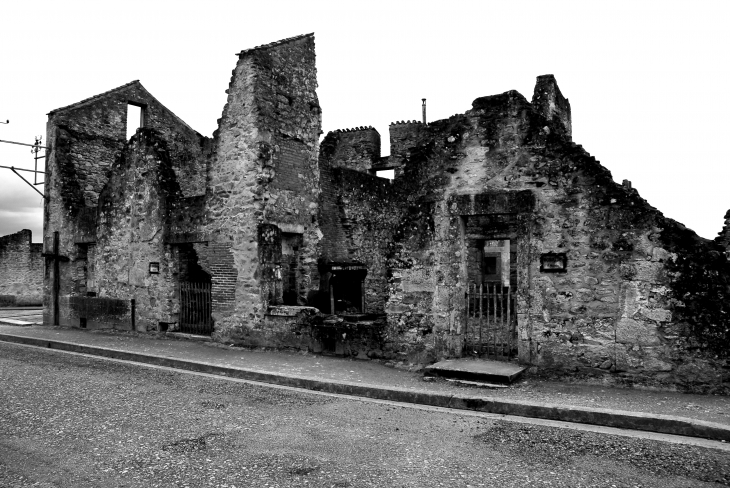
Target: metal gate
(195,308)
(491,323)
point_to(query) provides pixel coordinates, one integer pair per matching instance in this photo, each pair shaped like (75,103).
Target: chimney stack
(423,107)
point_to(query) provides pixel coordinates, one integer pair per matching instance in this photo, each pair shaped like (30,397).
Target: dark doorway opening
(290,249)
(346,287)
(195,293)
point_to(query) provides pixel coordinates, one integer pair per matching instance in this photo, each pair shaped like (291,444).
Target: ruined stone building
(498,236)
(21,270)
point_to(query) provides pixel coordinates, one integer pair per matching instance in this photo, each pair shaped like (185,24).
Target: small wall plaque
(554,262)
(154,268)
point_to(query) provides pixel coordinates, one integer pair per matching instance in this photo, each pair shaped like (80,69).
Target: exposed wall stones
(357,149)
(550,103)
(21,270)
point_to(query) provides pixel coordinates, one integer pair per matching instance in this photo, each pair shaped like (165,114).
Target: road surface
(76,421)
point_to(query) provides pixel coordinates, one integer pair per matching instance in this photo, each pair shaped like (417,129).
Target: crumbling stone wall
(86,140)
(615,309)
(364,218)
(641,299)
(357,149)
(403,136)
(21,270)
(723,237)
(264,172)
(133,210)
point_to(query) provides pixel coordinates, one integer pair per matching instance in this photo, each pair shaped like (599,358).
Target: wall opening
(85,275)
(291,244)
(346,288)
(195,292)
(135,119)
(489,261)
(386,173)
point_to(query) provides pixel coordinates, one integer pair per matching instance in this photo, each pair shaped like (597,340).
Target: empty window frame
(135,118)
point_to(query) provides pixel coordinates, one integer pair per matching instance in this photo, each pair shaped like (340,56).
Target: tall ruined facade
(497,236)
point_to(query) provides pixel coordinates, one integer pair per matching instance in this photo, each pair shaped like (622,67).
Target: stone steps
(477,370)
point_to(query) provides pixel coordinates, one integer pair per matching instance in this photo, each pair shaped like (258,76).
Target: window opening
(135,119)
(386,173)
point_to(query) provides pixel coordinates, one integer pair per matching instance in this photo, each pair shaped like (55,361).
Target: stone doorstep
(21,323)
(476,370)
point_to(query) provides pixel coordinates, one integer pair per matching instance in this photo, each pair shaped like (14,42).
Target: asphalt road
(76,421)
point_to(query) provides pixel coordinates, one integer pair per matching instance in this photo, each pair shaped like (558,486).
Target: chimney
(423,108)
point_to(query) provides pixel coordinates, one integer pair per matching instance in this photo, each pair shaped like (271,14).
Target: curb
(664,424)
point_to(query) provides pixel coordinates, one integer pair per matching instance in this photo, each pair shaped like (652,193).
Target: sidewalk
(657,411)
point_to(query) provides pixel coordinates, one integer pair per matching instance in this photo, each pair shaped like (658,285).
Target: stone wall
(403,136)
(21,270)
(88,143)
(614,311)
(133,210)
(264,173)
(264,214)
(723,237)
(357,149)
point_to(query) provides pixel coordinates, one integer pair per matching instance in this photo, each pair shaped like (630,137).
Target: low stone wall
(21,270)
(96,313)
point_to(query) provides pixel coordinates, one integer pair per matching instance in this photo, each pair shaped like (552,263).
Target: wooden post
(332,298)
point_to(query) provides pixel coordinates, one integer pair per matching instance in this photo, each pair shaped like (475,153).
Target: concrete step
(481,370)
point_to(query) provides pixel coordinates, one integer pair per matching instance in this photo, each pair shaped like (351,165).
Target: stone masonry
(21,270)
(289,241)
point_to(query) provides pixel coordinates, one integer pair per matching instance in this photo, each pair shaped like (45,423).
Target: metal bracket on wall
(15,170)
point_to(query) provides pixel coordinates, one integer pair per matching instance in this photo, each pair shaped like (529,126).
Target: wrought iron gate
(491,322)
(195,308)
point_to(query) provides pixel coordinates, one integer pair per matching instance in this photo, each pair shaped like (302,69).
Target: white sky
(646,79)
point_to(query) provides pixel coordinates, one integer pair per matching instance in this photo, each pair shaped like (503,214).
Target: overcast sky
(647,81)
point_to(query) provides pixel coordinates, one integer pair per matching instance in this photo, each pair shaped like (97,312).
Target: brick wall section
(219,259)
(21,270)
(290,165)
(333,244)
